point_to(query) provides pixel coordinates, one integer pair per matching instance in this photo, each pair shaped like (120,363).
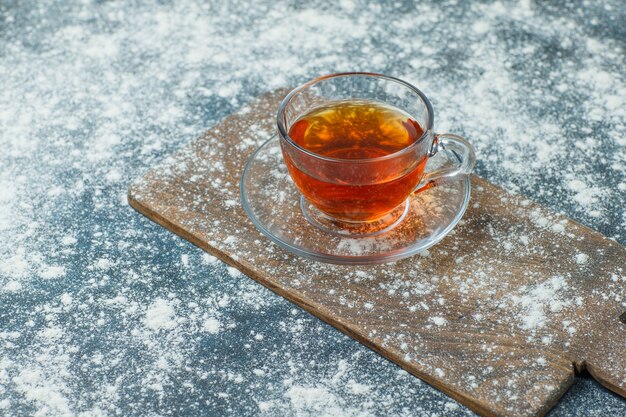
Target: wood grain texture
(499,315)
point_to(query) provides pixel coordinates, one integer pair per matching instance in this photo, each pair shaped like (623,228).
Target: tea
(356,131)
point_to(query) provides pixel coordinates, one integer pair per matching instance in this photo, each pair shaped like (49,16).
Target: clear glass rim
(284,135)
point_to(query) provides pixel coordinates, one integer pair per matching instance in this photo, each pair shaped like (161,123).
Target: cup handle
(460,149)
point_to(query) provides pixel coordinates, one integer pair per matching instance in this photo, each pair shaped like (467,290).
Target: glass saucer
(272,202)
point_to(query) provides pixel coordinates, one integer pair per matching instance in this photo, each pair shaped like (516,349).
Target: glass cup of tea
(356,147)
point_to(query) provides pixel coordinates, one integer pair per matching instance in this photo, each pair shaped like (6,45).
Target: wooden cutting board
(500,315)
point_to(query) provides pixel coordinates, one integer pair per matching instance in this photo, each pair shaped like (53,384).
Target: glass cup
(371,195)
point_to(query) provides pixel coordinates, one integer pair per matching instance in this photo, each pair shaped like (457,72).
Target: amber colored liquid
(357,129)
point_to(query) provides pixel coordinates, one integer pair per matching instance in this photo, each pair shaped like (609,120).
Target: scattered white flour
(317,399)
(113,176)
(44,390)
(212,325)
(451,406)
(584,195)
(52,272)
(439,321)
(234,272)
(160,315)
(358,388)
(103,264)
(68,240)
(536,302)
(51,333)
(209,259)
(12,286)
(581,258)
(66,299)
(15,265)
